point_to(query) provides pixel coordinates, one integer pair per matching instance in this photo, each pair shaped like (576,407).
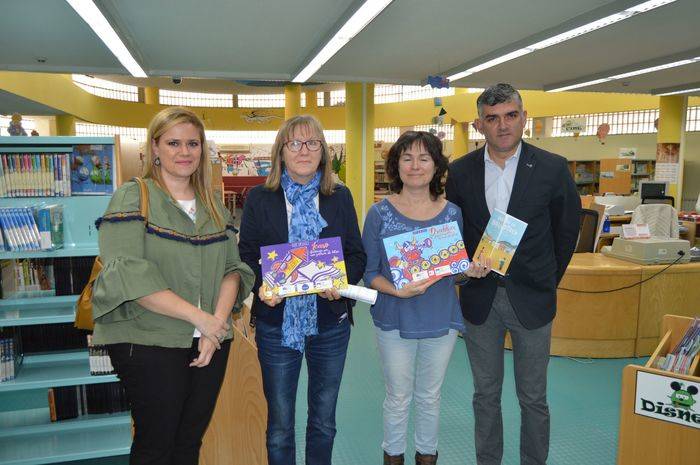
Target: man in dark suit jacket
(536,187)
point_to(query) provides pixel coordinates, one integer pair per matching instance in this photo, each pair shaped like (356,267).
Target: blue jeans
(280,366)
(413,369)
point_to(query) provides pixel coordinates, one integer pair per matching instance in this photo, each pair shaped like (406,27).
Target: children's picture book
(92,170)
(305,267)
(430,252)
(501,238)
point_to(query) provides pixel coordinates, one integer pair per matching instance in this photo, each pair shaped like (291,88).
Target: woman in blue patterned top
(417,325)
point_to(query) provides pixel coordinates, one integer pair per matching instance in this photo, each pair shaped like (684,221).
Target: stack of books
(27,278)
(681,358)
(31,228)
(100,363)
(10,354)
(75,401)
(35,175)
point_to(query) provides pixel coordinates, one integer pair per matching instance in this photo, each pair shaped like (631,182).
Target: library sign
(668,399)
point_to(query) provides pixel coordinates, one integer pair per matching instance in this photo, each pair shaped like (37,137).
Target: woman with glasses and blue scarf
(301,201)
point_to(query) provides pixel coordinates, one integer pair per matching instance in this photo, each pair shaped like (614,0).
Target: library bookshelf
(654,431)
(589,180)
(27,435)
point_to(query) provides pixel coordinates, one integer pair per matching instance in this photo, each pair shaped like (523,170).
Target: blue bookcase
(27,436)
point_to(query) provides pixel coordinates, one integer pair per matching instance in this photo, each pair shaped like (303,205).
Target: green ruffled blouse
(168,252)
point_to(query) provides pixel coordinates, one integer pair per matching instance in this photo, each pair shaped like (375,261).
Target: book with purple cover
(305,267)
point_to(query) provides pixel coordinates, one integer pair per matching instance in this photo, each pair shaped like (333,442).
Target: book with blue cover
(305,267)
(92,170)
(426,253)
(500,240)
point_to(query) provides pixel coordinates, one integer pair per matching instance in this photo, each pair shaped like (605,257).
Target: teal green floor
(583,395)
(584,398)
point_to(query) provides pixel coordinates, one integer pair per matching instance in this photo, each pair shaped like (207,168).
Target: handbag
(83,307)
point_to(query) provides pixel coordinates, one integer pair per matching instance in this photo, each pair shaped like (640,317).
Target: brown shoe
(426,459)
(393,459)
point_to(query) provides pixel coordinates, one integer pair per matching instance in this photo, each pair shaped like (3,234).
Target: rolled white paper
(360,293)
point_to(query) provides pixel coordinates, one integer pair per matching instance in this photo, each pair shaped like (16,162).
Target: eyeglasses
(296,145)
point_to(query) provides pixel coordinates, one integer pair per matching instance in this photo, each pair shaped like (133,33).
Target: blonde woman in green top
(162,303)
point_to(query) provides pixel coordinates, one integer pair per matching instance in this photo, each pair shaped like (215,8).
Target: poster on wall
(252,162)
(574,125)
(666,172)
(628,152)
(667,166)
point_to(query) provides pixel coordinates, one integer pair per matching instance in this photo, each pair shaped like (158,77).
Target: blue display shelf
(93,436)
(37,311)
(54,370)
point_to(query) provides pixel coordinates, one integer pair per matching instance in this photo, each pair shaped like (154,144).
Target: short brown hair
(312,125)
(434,147)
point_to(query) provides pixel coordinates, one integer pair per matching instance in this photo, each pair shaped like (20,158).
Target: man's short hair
(498,93)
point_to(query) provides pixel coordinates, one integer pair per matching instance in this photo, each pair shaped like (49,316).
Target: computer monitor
(652,189)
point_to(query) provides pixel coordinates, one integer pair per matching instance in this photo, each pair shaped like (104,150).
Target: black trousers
(171,403)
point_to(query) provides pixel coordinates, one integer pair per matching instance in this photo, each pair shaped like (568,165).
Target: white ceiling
(272,39)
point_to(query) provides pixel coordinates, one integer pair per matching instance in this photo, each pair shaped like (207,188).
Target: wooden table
(624,323)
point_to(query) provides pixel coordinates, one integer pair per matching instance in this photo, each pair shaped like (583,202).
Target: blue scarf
(300,312)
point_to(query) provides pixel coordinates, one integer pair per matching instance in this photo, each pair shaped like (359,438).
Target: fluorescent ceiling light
(564,36)
(96,20)
(676,92)
(636,72)
(357,22)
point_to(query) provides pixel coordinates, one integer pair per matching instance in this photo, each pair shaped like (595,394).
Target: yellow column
(65,125)
(460,146)
(311,103)
(151,96)
(292,100)
(359,145)
(670,137)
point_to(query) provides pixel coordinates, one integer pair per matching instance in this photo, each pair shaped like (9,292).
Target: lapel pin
(529,165)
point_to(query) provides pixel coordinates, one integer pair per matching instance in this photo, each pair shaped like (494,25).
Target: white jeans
(413,368)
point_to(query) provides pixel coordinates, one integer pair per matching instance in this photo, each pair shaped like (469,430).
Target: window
(101,130)
(28,125)
(107,89)
(624,122)
(261,100)
(242,137)
(388,93)
(337,98)
(692,120)
(448,129)
(387,134)
(195,99)
(334,136)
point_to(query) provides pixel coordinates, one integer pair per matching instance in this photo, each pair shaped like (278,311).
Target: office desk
(623,323)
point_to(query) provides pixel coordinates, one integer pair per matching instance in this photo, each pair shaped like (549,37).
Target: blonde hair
(311,124)
(201,178)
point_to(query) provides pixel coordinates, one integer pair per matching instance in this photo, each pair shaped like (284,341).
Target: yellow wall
(59,92)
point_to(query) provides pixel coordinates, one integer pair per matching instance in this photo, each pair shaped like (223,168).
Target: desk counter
(625,322)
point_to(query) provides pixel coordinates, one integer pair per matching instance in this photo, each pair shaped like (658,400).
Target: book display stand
(660,410)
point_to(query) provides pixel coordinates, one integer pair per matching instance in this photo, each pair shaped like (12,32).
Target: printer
(652,251)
